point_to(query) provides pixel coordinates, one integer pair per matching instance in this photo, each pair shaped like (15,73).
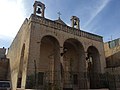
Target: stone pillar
(43,11)
(57,75)
(87,77)
(61,67)
(24,74)
(35,10)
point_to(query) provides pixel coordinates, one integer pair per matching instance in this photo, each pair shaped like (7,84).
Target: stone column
(61,68)
(24,71)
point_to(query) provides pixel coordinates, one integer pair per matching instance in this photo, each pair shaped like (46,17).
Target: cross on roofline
(59,14)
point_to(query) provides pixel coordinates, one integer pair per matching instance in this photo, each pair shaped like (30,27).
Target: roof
(60,21)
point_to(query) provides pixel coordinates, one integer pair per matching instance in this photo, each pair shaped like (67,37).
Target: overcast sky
(101,17)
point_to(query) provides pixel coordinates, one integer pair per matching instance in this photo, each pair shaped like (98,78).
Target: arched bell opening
(93,66)
(74,64)
(49,63)
(39,8)
(19,80)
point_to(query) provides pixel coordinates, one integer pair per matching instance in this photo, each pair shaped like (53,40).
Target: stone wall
(2,52)
(42,27)
(15,53)
(4,66)
(24,51)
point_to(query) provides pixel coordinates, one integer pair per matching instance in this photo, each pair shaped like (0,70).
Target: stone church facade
(49,55)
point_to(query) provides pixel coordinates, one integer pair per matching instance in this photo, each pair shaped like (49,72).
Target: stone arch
(52,35)
(93,52)
(74,63)
(49,59)
(19,80)
(94,68)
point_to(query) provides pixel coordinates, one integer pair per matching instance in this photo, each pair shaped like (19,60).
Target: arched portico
(49,63)
(73,64)
(93,66)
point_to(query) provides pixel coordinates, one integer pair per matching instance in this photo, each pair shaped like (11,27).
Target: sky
(101,17)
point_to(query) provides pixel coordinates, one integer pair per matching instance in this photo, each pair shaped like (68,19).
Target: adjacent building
(112,55)
(4,65)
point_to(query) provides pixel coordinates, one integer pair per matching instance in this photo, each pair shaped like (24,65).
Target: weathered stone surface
(38,37)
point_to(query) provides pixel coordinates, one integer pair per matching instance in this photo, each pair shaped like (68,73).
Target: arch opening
(49,63)
(74,64)
(19,80)
(93,66)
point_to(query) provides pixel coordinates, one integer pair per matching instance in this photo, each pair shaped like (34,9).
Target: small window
(75,79)
(40,78)
(111,44)
(5,85)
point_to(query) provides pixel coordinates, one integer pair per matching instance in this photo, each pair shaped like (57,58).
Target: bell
(38,11)
(75,23)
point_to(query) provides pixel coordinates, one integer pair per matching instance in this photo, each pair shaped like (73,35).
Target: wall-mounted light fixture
(64,51)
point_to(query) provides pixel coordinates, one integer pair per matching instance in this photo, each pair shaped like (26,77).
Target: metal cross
(59,14)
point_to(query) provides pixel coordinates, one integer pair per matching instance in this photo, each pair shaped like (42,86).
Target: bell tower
(75,22)
(39,8)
